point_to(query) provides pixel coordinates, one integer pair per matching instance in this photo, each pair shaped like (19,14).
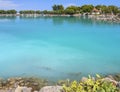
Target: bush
(90,85)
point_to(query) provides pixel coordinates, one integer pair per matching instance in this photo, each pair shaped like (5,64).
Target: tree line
(8,11)
(60,9)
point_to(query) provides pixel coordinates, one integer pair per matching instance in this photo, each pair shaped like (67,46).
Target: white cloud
(7,4)
(70,4)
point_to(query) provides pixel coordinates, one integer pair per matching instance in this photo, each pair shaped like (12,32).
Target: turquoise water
(58,47)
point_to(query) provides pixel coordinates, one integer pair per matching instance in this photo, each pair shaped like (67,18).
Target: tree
(45,12)
(54,7)
(11,11)
(72,10)
(58,7)
(102,8)
(69,11)
(87,8)
(2,12)
(27,12)
(98,7)
(113,9)
(37,12)
(107,9)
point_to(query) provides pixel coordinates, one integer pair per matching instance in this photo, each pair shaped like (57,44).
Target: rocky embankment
(106,18)
(22,84)
(40,85)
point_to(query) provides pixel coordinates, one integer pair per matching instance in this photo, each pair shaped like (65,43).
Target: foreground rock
(40,85)
(22,84)
(51,89)
(23,89)
(26,89)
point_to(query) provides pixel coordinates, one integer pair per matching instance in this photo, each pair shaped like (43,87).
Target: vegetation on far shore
(60,9)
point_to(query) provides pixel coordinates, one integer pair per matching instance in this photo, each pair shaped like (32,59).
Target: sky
(47,4)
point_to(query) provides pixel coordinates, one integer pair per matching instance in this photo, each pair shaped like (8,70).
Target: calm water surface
(58,47)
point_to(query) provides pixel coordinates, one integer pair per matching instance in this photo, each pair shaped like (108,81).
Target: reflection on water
(57,20)
(8,17)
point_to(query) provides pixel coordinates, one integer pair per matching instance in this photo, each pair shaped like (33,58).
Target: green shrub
(91,85)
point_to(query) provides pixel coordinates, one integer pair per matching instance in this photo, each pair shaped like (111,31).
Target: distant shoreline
(102,17)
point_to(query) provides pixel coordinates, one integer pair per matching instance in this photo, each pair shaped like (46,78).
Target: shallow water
(58,47)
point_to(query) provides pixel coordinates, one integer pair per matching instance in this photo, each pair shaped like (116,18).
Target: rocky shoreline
(32,84)
(106,18)
(19,83)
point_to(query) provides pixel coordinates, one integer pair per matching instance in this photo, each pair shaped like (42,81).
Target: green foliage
(87,8)
(11,11)
(98,7)
(57,7)
(45,12)
(113,9)
(69,11)
(38,12)
(104,9)
(108,9)
(72,10)
(8,12)
(27,12)
(91,85)
(2,12)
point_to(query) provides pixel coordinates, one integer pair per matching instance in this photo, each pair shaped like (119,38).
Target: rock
(51,89)
(19,78)
(118,84)
(19,89)
(110,80)
(61,82)
(21,81)
(84,79)
(27,89)
(35,84)
(21,84)
(12,82)
(110,76)
(0,84)
(4,83)
(35,91)
(23,89)
(117,77)
(10,90)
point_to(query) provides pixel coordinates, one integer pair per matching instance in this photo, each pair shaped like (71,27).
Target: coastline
(36,84)
(102,17)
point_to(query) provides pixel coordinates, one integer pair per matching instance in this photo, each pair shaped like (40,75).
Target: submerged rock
(74,74)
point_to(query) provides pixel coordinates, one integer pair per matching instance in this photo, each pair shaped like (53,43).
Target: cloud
(7,4)
(70,4)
